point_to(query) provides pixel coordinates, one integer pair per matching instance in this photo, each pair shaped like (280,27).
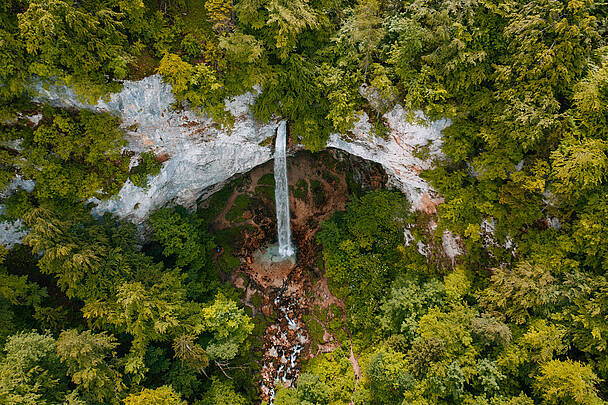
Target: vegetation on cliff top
(88,316)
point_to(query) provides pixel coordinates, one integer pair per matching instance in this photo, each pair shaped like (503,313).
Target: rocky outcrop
(397,152)
(201,154)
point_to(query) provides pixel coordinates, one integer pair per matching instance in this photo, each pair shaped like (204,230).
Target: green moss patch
(300,190)
(267,179)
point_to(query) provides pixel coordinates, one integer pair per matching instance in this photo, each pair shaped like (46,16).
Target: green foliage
(341,88)
(310,390)
(164,395)
(332,373)
(187,243)
(294,93)
(76,258)
(519,293)
(222,392)
(229,325)
(520,320)
(360,250)
(367,30)
(147,312)
(82,47)
(407,302)
(147,166)
(30,372)
(190,353)
(284,20)
(219,13)
(388,377)
(179,235)
(490,332)
(86,357)
(567,382)
(199,85)
(72,156)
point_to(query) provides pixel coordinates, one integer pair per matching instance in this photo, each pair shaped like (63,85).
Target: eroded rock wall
(199,152)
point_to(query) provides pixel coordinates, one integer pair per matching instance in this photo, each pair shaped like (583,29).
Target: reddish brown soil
(297,288)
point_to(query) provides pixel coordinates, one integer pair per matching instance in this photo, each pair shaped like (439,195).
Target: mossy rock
(266,142)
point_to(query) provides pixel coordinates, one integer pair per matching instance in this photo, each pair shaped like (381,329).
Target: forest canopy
(94,310)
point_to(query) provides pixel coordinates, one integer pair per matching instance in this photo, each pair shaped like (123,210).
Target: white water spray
(282,192)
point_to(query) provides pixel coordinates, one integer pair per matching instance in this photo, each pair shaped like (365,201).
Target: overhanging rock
(201,154)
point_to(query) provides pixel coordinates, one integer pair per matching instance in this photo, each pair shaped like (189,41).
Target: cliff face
(396,153)
(200,154)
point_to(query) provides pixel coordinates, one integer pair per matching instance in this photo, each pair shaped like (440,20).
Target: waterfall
(282,192)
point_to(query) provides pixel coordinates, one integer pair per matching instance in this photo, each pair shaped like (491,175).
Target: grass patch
(245,279)
(216,204)
(320,313)
(267,179)
(265,186)
(315,329)
(336,328)
(328,161)
(225,238)
(301,190)
(259,325)
(228,262)
(235,214)
(265,191)
(242,201)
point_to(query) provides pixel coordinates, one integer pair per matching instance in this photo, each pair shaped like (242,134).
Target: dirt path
(220,220)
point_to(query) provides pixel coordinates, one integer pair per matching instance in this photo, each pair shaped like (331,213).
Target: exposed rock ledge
(201,154)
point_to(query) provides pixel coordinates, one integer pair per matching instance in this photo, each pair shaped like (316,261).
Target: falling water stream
(282,192)
(285,337)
